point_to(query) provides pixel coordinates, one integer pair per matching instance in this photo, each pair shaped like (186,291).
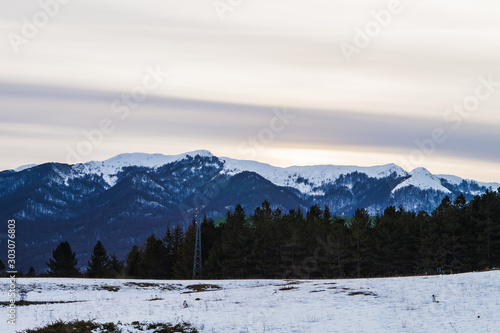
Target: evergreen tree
(442,218)
(232,253)
(338,243)
(63,262)
(31,272)
(486,215)
(183,267)
(294,250)
(99,265)
(267,245)
(134,262)
(387,242)
(359,236)
(117,267)
(210,236)
(172,241)
(154,264)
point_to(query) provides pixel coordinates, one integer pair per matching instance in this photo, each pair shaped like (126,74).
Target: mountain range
(123,199)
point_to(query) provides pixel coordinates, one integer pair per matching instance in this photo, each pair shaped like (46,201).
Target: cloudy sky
(287,82)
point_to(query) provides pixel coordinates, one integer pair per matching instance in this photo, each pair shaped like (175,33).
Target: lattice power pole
(197,249)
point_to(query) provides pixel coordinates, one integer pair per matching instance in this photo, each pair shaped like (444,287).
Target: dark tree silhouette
(63,262)
(99,265)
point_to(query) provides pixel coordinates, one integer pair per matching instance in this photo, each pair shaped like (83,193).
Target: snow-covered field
(464,303)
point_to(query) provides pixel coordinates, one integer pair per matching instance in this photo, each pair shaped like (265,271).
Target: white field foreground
(463,303)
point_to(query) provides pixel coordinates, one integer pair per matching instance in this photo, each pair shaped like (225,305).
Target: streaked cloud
(225,77)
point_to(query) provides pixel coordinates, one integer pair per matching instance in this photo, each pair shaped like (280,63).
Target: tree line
(456,237)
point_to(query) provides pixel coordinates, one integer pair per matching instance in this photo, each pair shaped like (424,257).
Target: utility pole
(197,249)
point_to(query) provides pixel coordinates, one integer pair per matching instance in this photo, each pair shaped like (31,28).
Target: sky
(286,82)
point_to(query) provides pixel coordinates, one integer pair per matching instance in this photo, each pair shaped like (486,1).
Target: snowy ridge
(306,178)
(109,168)
(454,180)
(421,178)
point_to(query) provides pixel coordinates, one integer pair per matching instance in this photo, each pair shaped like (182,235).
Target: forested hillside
(456,237)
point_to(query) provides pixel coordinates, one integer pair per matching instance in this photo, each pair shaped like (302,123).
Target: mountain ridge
(281,176)
(124,199)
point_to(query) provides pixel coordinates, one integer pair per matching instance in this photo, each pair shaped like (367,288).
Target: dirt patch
(365,293)
(196,288)
(149,285)
(288,288)
(108,288)
(27,303)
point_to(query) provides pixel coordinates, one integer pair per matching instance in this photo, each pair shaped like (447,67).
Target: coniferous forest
(456,237)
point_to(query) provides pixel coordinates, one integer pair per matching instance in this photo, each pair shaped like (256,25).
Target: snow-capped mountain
(422,179)
(127,197)
(316,183)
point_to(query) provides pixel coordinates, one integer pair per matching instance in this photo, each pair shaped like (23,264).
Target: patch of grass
(110,288)
(365,293)
(27,303)
(164,327)
(80,326)
(196,288)
(288,288)
(149,285)
(77,326)
(288,283)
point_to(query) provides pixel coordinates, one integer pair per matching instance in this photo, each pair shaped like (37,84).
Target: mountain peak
(421,172)
(422,178)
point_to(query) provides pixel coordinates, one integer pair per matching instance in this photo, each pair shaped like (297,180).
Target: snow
(464,303)
(454,180)
(25,167)
(306,179)
(109,168)
(316,175)
(424,180)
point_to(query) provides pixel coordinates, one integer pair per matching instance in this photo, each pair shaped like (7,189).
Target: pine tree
(231,257)
(117,267)
(294,250)
(31,272)
(134,261)
(172,240)
(98,266)
(63,262)
(486,215)
(338,243)
(266,247)
(359,236)
(154,263)
(183,267)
